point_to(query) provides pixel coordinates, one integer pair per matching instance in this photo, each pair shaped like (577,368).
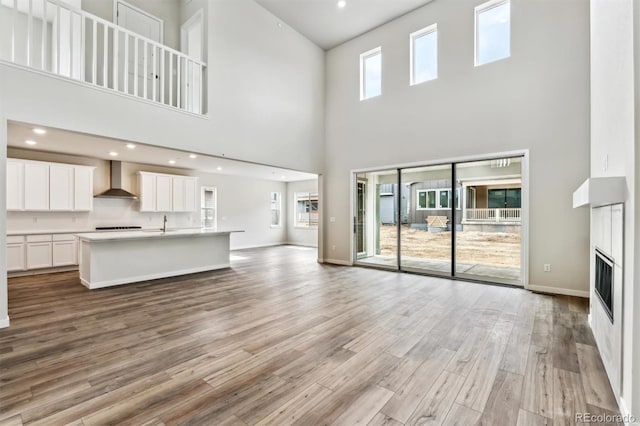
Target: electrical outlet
(547,267)
(35,220)
(333,247)
(332,219)
(74,219)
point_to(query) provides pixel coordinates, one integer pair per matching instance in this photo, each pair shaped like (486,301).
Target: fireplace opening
(604,282)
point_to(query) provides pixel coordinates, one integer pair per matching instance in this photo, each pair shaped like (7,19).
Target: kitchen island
(115,258)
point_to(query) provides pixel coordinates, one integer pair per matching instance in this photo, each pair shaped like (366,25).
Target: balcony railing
(492,215)
(54,37)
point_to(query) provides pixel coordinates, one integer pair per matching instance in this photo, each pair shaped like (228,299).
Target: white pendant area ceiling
(328,25)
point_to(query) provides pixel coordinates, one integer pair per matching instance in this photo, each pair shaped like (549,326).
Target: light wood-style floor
(280,339)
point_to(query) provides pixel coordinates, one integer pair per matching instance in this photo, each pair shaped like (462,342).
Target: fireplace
(604,281)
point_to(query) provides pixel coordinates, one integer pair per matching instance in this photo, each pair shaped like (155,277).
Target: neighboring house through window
(306,206)
(208,201)
(276,210)
(436,199)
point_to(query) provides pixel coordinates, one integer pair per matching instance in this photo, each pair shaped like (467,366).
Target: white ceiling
(79,144)
(322,22)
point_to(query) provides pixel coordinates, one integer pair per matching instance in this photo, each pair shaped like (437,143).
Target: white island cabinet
(114,258)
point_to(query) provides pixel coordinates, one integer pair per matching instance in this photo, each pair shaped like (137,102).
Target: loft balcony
(58,38)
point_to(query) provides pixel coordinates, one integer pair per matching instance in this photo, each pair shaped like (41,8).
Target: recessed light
(172,161)
(113,153)
(282,177)
(30,142)
(193,156)
(218,168)
(38,131)
(342,4)
(131,146)
(279,24)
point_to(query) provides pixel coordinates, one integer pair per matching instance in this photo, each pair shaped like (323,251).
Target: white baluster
(145,70)
(29,33)
(44,35)
(116,34)
(126,63)
(94,53)
(135,66)
(171,78)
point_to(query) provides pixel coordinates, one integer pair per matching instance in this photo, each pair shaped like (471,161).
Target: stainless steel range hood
(116,190)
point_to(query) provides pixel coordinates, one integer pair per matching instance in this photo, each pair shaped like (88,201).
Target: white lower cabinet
(15,254)
(65,250)
(39,251)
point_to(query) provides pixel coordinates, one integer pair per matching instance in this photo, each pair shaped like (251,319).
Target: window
(504,198)
(276,209)
(306,206)
(371,74)
(424,54)
(493,31)
(436,199)
(208,207)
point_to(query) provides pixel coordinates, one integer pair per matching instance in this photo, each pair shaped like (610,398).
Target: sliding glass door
(456,220)
(489,244)
(425,236)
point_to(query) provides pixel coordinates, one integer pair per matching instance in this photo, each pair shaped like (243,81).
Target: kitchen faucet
(164,225)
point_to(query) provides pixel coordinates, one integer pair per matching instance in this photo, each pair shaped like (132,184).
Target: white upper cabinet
(42,186)
(83,189)
(15,185)
(163,193)
(36,186)
(184,194)
(60,187)
(167,193)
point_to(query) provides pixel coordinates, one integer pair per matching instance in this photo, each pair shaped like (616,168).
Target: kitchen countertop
(150,234)
(81,231)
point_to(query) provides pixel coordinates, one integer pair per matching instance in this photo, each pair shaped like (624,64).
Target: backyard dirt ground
(485,248)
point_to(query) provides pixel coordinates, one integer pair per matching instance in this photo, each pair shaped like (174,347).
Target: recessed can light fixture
(342,4)
(193,156)
(39,131)
(283,176)
(172,161)
(30,142)
(218,168)
(113,153)
(131,146)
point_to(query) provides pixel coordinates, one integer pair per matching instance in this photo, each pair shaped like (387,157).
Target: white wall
(538,100)
(243,203)
(297,235)
(612,139)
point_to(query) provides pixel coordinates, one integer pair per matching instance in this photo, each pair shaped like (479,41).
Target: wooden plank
(596,384)
(296,407)
(525,418)
(568,397)
(459,415)
(365,408)
(435,406)
(503,404)
(537,392)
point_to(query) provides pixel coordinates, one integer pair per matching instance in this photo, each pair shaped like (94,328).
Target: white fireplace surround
(607,235)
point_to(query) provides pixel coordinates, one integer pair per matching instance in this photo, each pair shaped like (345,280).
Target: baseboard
(337,262)
(291,243)
(257,246)
(558,290)
(150,277)
(627,417)
(4,322)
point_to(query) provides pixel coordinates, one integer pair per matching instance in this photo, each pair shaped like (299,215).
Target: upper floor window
(493,31)
(371,74)
(424,54)
(436,199)
(276,210)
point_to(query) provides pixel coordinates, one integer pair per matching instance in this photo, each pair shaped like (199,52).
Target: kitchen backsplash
(106,212)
